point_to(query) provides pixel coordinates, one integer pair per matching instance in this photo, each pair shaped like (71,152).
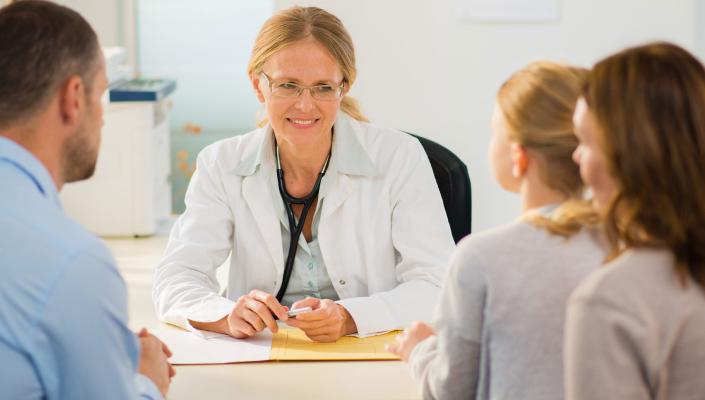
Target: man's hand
(153,361)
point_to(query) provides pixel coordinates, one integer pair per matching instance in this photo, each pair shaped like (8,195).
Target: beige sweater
(634,332)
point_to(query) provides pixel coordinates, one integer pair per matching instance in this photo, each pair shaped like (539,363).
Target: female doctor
(317,208)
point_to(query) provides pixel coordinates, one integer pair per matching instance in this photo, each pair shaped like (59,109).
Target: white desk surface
(280,380)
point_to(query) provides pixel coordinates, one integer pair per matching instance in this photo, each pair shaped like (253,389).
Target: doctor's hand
(253,313)
(407,340)
(327,322)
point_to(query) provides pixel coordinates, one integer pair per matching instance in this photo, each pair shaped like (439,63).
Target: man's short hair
(42,44)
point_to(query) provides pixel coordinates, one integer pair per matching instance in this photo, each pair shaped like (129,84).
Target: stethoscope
(294,228)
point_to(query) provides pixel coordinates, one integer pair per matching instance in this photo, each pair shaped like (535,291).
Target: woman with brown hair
(636,327)
(499,324)
(317,209)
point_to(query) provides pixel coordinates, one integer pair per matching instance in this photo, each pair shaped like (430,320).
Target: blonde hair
(298,23)
(538,103)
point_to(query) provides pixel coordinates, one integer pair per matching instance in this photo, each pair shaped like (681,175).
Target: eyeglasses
(291,90)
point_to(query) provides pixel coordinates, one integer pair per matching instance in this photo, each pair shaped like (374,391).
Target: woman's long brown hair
(649,102)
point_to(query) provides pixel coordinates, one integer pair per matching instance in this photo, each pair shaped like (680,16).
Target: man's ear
(255,80)
(72,100)
(520,160)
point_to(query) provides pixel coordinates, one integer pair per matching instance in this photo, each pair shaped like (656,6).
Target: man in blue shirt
(63,311)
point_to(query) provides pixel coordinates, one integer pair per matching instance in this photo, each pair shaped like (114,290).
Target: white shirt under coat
(383,232)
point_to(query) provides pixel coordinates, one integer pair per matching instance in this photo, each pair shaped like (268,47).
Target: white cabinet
(130,193)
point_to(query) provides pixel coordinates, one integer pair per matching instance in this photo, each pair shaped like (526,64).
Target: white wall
(422,70)
(113,21)
(105,16)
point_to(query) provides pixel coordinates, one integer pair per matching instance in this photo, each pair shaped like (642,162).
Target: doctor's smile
(302,123)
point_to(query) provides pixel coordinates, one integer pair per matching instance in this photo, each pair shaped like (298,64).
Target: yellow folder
(292,344)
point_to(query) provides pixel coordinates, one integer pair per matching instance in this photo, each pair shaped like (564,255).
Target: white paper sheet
(214,348)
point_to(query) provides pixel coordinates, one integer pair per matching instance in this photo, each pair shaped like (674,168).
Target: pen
(297,311)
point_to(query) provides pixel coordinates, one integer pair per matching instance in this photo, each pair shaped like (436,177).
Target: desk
(280,380)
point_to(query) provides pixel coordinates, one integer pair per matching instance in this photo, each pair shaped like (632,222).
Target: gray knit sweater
(500,318)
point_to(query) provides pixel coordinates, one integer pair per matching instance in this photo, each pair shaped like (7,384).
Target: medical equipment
(294,228)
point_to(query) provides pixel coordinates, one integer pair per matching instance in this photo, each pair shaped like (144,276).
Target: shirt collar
(19,157)
(347,155)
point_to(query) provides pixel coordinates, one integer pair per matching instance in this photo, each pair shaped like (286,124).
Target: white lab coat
(383,232)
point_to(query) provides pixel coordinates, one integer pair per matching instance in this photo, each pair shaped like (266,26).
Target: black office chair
(453,182)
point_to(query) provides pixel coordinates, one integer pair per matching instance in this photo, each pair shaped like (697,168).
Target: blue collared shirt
(63,305)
